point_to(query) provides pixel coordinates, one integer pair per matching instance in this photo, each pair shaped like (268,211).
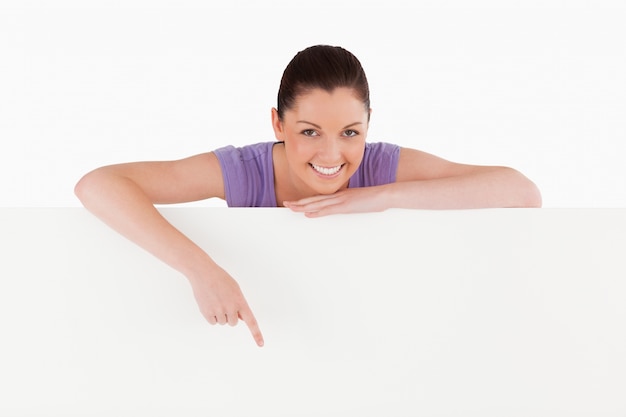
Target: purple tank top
(249,172)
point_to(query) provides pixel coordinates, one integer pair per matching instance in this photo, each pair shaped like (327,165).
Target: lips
(326,170)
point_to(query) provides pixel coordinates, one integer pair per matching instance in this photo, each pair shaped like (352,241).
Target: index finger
(309,200)
(246,315)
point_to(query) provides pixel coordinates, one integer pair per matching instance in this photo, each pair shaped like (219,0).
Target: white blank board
(499,312)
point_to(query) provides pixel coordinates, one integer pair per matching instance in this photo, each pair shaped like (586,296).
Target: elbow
(82,187)
(528,195)
(88,186)
(532,196)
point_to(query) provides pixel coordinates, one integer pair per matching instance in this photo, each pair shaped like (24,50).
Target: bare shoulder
(194,178)
(415,165)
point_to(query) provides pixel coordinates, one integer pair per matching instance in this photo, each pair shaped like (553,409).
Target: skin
(326,129)
(422,181)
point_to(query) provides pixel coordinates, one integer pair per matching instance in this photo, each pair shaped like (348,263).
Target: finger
(221,319)
(294,206)
(247,316)
(308,200)
(319,213)
(315,206)
(232,319)
(212,319)
(336,207)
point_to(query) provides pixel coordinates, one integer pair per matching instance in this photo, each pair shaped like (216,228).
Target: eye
(309,133)
(350,133)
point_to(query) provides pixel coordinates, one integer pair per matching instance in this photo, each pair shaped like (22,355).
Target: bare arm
(123,196)
(428,182)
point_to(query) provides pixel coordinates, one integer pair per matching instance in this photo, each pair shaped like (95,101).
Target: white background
(536,85)
(459,313)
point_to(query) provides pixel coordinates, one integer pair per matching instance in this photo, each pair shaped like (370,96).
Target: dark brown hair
(321,66)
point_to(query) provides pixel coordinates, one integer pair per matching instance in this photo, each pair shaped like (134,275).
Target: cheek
(298,151)
(355,153)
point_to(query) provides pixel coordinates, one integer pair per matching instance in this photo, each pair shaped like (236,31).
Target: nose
(330,149)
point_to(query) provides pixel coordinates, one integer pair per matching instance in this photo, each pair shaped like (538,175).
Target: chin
(330,189)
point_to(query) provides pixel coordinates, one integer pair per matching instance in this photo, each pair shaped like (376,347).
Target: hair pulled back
(321,66)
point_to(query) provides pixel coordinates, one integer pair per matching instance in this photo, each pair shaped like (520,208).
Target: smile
(326,171)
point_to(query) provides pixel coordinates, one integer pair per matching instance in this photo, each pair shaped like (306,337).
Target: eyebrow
(319,127)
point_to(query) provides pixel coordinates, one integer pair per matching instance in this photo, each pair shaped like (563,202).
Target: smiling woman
(322,143)
(320,164)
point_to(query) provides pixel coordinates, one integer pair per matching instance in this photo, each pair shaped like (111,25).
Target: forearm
(123,205)
(488,187)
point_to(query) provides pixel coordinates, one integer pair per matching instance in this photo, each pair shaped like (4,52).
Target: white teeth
(326,171)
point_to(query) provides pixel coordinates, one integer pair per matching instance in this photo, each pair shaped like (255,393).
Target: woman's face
(324,135)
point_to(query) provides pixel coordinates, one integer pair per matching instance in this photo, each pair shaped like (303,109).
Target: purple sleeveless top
(249,172)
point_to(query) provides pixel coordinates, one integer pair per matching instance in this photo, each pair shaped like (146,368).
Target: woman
(320,165)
